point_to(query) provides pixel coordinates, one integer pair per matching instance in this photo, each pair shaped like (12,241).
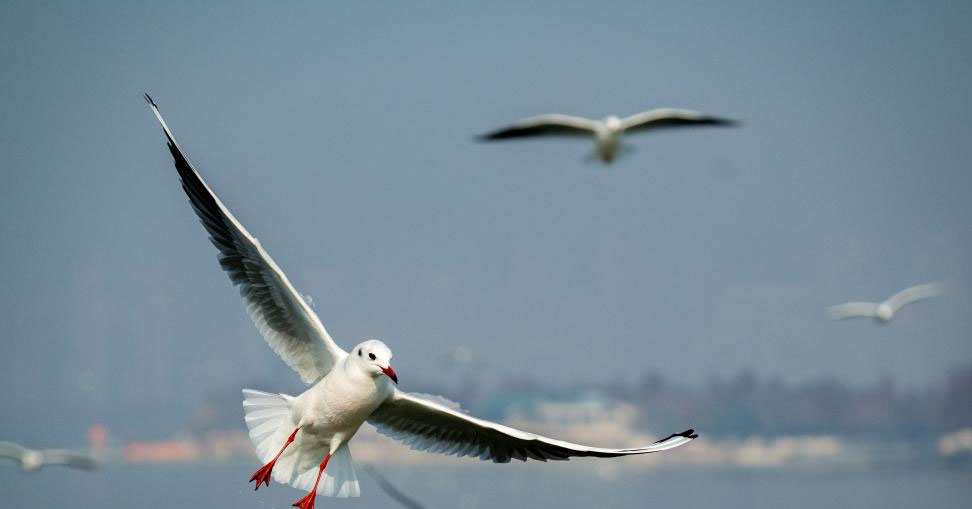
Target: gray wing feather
(11,450)
(392,491)
(69,458)
(283,317)
(915,293)
(853,310)
(433,427)
(670,117)
(545,125)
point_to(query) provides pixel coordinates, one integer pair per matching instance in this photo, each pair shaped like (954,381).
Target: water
(490,486)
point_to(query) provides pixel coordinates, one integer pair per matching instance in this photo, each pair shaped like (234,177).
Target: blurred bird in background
(607,133)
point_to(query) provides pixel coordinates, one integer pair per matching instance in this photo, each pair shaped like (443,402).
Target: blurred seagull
(606,133)
(884,311)
(298,437)
(31,460)
(392,491)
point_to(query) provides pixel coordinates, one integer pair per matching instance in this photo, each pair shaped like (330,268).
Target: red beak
(391,373)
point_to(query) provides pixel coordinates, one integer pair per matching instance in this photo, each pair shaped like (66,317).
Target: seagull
(606,133)
(884,311)
(298,437)
(392,491)
(32,460)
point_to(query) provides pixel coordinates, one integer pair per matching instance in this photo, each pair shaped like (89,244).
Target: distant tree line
(749,404)
(739,405)
(746,404)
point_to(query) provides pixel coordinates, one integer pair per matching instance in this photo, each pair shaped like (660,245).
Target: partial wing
(11,450)
(392,491)
(853,310)
(283,317)
(669,117)
(915,293)
(545,125)
(431,426)
(69,458)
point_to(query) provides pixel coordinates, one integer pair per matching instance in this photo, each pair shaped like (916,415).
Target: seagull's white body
(334,408)
(884,311)
(607,133)
(32,460)
(293,435)
(608,138)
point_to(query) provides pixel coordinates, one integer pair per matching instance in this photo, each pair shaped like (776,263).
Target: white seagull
(31,460)
(293,435)
(884,311)
(606,133)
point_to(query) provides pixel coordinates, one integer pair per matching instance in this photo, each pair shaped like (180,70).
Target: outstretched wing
(11,450)
(431,426)
(283,317)
(915,293)
(669,117)
(69,458)
(853,310)
(545,125)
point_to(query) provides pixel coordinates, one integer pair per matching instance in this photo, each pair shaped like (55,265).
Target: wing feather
(853,310)
(11,450)
(69,458)
(430,426)
(282,316)
(670,117)
(545,125)
(915,293)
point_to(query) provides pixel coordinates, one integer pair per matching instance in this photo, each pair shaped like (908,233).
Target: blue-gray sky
(342,137)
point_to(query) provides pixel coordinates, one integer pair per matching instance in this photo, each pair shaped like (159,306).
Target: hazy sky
(342,138)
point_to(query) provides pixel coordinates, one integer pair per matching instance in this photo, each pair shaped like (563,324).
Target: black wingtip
(689,433)
(149,100)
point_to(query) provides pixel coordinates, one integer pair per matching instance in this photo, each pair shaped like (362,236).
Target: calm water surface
(488,486)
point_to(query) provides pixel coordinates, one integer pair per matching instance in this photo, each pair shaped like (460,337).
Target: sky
(343,138)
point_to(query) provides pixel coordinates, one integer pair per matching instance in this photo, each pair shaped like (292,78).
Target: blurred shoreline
(745,421)
(785,453)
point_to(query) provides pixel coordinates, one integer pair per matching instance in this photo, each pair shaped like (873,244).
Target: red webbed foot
(263,475)
(307,502)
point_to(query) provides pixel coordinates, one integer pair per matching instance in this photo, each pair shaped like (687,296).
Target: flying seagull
(392,491)
(31,460)
(298,437)
(884,311)
(606,133)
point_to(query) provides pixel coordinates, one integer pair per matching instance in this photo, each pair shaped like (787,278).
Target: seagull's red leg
(263,475)
(308,501)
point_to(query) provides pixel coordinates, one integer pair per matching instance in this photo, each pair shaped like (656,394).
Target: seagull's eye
(359,352)
(371,356)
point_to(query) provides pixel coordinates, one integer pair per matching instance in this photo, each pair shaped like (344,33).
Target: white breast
(340,402)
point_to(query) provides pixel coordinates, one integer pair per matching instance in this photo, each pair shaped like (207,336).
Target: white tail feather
(339,478)
(270,421)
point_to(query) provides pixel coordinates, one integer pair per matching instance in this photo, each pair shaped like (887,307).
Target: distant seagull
(347,388)
(606,133)
(885,311)
(31,460)
(392,491)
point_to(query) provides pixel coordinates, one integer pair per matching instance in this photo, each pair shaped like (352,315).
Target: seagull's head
(613,123)
(884,312)
(374,358)
(31,461)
